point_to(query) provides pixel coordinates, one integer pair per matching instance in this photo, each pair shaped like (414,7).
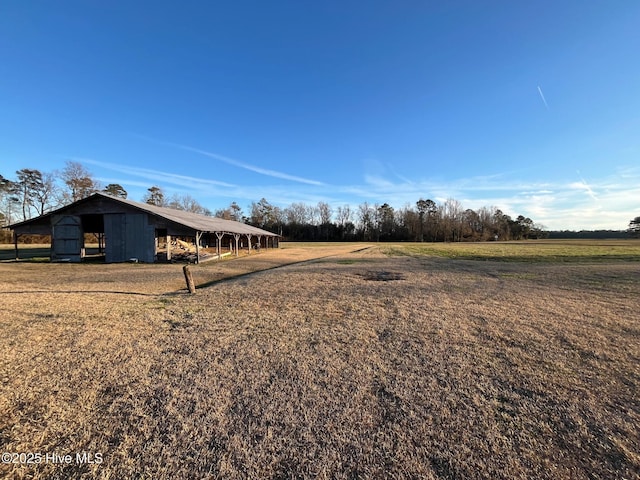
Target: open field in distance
(26,251)
(522,251)
(528,251)
(359,361)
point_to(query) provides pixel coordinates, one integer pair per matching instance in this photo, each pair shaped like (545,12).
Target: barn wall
(140,238)
(129,231)
(114,237)
(129,235)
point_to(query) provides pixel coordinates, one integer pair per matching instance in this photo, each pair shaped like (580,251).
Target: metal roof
(197,222)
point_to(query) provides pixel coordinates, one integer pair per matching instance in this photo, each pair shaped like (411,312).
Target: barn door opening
(67,238)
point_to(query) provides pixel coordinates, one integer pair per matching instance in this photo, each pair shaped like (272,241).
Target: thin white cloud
(542,97)
(252,168)
(379,182)
(124,182)
(585,186)
(156,175)
(538,192)
(236,163)
(394,172)
(556,205)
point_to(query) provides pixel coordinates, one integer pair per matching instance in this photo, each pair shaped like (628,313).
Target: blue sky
(531,107)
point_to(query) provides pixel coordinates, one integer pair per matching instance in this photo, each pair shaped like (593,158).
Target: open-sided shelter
(132,229)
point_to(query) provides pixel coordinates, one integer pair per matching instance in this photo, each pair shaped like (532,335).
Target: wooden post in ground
(15,244)
(189,279)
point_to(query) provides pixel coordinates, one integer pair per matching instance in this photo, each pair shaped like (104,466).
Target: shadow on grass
(219,281)
(211,283)
(14,292)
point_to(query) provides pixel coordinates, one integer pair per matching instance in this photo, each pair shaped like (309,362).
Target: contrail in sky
(181,180)
(246,166)
(586,186)
(234,162)
(542,97)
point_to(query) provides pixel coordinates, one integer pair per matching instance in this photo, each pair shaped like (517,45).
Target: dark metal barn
(132,230)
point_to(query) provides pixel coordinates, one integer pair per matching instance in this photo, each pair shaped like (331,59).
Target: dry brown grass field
(387,362)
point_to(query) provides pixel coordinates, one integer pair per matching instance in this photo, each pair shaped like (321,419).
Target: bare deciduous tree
(325,212)
(297,213)
(366,220)
(186,203)
(232,212)
(79,181)
(344,215)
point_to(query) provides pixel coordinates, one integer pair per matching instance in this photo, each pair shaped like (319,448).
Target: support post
(198,237)
(219,236)
(249,242)
(15,244)
(237,237)
(168,247)
(189,279)
(100,237)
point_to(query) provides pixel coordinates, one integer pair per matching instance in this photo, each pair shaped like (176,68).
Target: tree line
(425,220)
(34,193)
